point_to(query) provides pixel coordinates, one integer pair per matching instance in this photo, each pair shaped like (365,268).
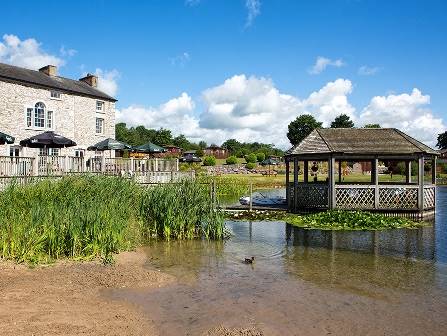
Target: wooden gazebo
(328,152)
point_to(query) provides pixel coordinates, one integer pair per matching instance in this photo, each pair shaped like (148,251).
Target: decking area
(24,170)
(415,196)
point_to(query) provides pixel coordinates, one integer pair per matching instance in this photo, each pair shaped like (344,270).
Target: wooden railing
(16,166)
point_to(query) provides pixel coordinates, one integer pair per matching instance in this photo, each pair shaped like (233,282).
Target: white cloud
(181,60)
(245,108)
(367,71)
(322,63)
(254,9)
(408,112)
(67,52)
(26,53)
(107,81)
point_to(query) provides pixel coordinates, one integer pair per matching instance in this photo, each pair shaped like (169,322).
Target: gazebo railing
(389,197)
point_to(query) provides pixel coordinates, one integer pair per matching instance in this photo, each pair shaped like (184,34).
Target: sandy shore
(65,298)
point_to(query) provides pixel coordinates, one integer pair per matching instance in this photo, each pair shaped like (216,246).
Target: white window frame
(49,151)
(59,97)
(47,112)
(103,106)
(96,126)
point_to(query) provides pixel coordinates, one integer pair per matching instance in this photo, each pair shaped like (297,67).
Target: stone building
(32,102)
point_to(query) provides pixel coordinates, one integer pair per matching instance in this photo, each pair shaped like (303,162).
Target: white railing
(16,166)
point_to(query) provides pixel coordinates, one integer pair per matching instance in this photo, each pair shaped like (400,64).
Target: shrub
(200,152)
(231,160)
(250,165)
(251,158)
(209,161)
(260,157)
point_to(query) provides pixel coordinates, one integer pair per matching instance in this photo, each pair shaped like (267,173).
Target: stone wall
(74,117)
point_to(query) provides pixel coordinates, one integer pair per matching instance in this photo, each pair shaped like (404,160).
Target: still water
(304,282)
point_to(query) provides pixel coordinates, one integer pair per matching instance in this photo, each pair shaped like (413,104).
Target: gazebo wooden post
(295,183)
(433,170)
(331,189)
(421,184)
(375,172)
(306,172)
(339,171)
(408,171)
(287,183)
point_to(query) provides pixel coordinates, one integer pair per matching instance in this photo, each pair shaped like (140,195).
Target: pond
(304,282)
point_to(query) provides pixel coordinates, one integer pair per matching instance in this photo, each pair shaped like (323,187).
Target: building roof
(32,77)
(360,141)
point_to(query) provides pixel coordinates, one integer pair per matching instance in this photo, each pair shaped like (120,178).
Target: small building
(414,196)
(32,102)
(443,154)
(217,152)
(172,150)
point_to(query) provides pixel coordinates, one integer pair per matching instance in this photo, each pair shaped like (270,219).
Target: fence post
(103,163)
(35,171)
(251,196)
(66,165)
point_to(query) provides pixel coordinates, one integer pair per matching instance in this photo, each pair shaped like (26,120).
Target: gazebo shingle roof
(360,141)
(32,77)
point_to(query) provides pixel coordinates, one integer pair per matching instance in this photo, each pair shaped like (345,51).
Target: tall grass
(95,216)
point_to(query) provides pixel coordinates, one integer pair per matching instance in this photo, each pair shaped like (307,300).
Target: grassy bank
(332,220)
(95,216)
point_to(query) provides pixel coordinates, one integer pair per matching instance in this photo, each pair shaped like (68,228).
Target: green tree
(260,157)
(209,161)
(251,158)
(250,165)
(200,152)
(342,121)
(442,140)
(182,142)
(163,137)
(202,144)
(372,126)
(232,145)
(301,127)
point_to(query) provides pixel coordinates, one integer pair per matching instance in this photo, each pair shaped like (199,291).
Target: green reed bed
(95,216)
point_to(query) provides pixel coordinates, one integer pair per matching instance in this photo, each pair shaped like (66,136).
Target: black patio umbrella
(48,139)
(6,139)
(109,144)
(149,148)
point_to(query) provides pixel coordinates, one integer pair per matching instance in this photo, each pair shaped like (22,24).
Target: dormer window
(55,94)
(99,106)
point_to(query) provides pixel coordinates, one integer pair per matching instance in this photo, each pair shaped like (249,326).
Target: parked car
(268,162)
(189,158)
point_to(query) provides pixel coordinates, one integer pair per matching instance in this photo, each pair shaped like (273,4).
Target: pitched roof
(359,141)
(32,77)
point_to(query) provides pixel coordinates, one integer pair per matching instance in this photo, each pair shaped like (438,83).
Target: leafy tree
(200,152)
(232,145)
(260,157)
(442,141)
(202,144)
(231,160)
(182,142)
(372,126)
(251,158)
(301,127)
(342,121)
(209,161)
(163,137)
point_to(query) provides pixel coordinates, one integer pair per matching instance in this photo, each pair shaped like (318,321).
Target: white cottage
(32,102)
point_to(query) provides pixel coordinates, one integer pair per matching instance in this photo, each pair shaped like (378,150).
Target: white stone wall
(74,117)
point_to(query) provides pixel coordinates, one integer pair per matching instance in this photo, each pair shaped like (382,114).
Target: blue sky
(214,69)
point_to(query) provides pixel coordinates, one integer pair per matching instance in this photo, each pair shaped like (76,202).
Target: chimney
(90,79)
(49,70)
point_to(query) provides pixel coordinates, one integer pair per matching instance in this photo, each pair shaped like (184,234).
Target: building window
(49,151)
(55,94)
(29,117)
(14,151)
(79,152)
(99,106)
(99,126)
(50,119)
(39,117)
